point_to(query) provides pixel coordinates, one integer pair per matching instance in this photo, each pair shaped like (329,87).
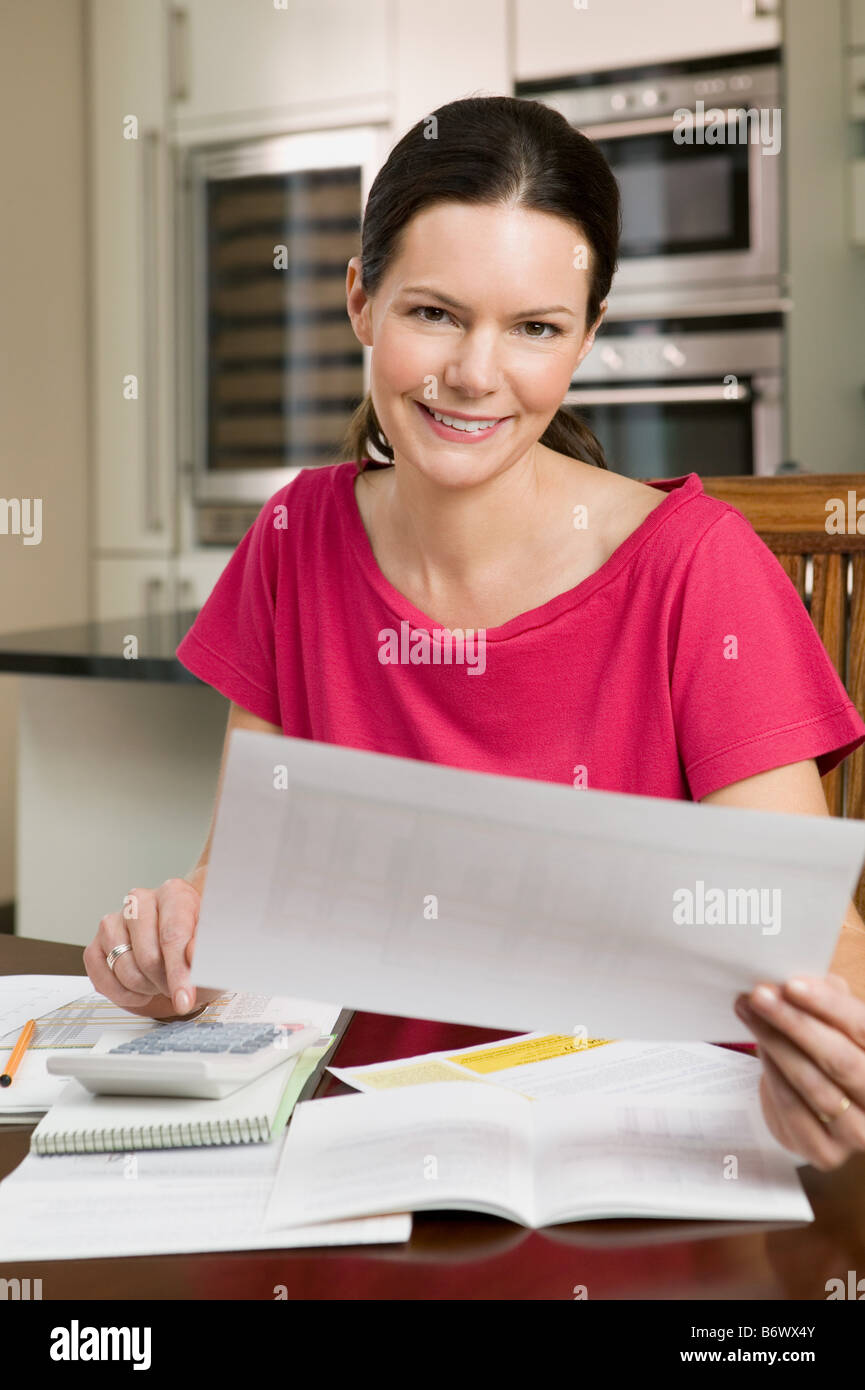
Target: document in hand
(403,887)
(539,1162)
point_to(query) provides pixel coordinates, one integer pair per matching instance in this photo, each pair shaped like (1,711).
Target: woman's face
(481,317)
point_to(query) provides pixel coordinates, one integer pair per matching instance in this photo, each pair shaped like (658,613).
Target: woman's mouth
(463,429)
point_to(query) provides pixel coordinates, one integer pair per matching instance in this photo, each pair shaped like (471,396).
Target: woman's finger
(141,920)
(106,983)
(178,916)
(814,1089)
(806,1136)
(113,932)
(837,1055)
(828,999)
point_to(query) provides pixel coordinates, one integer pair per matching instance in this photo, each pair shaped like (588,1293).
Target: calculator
(206,1060)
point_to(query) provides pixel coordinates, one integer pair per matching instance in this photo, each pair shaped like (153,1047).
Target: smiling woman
(510,186)
(606,606)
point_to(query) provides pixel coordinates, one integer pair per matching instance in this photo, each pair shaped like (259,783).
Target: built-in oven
(696,151)
(672,396)
(273,368)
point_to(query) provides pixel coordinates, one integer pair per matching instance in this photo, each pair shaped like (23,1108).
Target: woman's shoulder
(618,503)
(309,485)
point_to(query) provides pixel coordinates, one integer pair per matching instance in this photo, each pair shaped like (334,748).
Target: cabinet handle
(150,229)
(760,9)
(185,593)
(153,587)
(179,55)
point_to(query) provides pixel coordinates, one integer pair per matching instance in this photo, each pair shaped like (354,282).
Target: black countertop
(96,649)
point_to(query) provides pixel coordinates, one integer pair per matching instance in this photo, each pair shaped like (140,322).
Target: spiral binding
(184,1135)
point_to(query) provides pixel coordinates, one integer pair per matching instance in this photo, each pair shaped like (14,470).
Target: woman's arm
(797,788)
(238,718)
(153,978)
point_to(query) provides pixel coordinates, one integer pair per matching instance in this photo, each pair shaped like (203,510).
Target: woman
(635,637)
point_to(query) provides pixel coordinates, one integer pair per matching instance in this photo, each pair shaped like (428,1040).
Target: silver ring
(114,954)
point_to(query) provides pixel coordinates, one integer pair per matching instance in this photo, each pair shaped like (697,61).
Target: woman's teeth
(469,426)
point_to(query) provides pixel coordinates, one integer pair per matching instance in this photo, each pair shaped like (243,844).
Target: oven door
(665,430)
(698,220)
(275,367)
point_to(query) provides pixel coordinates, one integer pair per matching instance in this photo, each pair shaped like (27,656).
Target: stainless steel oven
(700,195)
(274,369)
(693,395)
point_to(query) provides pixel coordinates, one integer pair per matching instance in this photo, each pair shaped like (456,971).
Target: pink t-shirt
(686,662)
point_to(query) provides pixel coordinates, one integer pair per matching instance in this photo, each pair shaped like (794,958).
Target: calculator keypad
(238,1039)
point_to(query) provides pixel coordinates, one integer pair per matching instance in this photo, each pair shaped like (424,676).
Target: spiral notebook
(80,1122)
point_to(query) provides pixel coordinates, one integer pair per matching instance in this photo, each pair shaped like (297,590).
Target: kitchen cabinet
(241,67)
(556,37)
(197,573)
(131,220)
(447,51)
(855,25)
(135,586)
(143,585)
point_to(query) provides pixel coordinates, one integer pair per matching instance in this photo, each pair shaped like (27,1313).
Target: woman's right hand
(153,978)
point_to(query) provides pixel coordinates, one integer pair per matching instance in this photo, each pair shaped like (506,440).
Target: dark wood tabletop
(461,1256)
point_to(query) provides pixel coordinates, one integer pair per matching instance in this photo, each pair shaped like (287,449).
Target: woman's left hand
(812,1046)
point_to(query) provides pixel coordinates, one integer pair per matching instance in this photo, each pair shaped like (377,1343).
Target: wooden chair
(789,513)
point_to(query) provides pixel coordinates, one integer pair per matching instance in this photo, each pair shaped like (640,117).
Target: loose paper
(403,887)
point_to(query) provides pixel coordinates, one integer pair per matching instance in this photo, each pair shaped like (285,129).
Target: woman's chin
(452,465)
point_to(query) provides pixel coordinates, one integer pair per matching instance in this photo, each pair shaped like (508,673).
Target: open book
(539,1162)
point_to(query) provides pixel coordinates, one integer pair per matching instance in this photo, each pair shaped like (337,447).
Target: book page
(159,1202)
(412,1148)
(661,1156)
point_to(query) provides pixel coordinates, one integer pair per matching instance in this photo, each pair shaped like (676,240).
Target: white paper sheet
(555,906)
(23,997)
(611,1068)
(159,1202)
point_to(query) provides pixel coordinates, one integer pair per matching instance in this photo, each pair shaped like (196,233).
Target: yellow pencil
(18,1052)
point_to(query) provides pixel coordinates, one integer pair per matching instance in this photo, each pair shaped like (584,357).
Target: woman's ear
(589,339)
(357,302)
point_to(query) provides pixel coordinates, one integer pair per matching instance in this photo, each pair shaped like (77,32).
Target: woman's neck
(460,540)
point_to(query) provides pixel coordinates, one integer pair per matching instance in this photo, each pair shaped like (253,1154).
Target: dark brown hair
(493,150)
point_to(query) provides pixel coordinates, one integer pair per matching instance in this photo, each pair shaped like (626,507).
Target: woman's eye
(551,326)
(431,309)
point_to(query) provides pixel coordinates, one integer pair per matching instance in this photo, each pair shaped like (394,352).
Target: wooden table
(466,1257)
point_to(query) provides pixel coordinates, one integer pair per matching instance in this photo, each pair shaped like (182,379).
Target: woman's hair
(492,150)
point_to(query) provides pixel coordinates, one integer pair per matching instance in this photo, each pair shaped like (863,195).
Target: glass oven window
(284,369)
(680,199)
(668,439)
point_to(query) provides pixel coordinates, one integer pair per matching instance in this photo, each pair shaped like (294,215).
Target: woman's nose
(473,367)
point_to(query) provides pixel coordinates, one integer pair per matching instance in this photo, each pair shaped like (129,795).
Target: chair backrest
(811,523)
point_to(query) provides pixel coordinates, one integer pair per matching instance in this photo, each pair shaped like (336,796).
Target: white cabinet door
(446,51)
(238,63)
(134,588)
(197,573)
(855,26)
(132,216)
(557,37)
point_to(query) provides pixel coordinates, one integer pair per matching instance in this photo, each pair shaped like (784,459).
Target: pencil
(18,1052)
